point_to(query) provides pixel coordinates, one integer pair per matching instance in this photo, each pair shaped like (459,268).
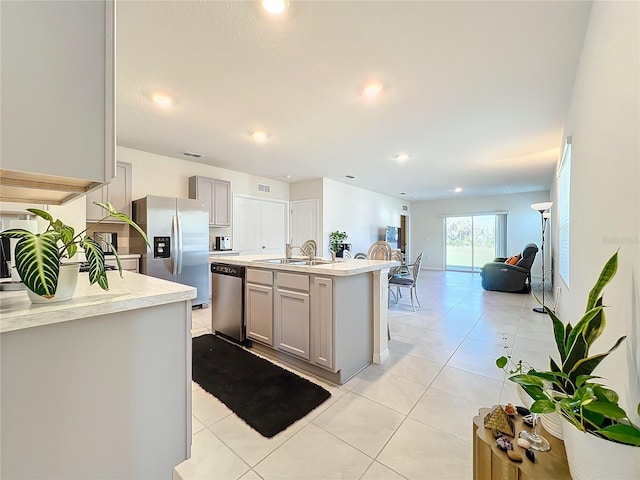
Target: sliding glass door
(470,242)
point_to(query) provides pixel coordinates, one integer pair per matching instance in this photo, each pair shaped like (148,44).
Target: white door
(273,227)
(259,226)
(304,223)
(246,225)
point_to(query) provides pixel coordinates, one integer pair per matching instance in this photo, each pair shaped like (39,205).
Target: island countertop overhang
(339,268)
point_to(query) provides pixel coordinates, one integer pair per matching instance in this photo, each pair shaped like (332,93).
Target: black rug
(266,396)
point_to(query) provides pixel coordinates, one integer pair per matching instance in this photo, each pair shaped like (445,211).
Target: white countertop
(341,267)
(131,292)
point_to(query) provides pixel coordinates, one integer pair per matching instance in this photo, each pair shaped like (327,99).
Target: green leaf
(526,379)
(38,262)
(41,214)
(543,406)
(596,326)
(581,379)
(627,434)
(581,327)
(586,366)
(121,216)
(558,334)
(502,362)
(605,394)
(610,410)
(95,257)
(578,351)
(607,273)
(584,395)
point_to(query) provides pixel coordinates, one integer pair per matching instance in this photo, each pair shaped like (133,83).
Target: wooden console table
(491,463)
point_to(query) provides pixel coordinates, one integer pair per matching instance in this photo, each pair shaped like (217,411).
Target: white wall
(605,204)
(523,224)
(169,177)
(361,213)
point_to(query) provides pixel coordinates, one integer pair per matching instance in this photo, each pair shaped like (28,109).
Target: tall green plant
(38,256)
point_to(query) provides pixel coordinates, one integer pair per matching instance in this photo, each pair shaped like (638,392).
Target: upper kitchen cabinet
(118,192)
(217,194)
(57,93)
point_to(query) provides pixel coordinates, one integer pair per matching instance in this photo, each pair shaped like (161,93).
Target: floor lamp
(543,208)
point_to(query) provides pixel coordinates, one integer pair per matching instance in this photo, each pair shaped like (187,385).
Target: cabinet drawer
(130,264)
(259,276)
(293,280)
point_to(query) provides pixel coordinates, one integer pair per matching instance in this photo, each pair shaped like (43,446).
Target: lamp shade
(546,215)
(541,207)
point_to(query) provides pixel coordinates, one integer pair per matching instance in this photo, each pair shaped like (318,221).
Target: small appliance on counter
(104,239)
(222,243)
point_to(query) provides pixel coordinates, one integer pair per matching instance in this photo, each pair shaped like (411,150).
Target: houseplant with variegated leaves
(39,256)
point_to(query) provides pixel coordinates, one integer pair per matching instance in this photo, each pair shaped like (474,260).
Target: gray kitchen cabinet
(217,195)
(259,306)
(322,322)
(118,192)
(58,116)
(292,314)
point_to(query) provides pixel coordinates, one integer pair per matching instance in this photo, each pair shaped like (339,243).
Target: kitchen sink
(294,261)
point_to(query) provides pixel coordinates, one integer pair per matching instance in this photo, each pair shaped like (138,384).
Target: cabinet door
(322,328)
(221,208)
(57,89)
(259,311)
(119,190)
(292,322)
(94,212)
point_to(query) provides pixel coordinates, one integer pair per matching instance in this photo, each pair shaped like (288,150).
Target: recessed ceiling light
(458,189)
(287,176)
(275,7)
(372,90)
(162,100)
(402,157)
(259,135)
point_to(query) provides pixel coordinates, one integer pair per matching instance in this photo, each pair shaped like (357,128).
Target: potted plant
(590,410)
(40,258)
(335,239)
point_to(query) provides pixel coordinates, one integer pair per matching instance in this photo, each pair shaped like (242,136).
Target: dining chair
(379,250)
(360,255)
(396,255)
(346,254)
(410,283)
(310,248)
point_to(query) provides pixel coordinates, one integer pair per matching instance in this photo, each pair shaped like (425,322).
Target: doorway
(470,242)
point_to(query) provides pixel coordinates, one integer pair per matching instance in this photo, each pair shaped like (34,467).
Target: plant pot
(592,457)
(552,423)
(67,281)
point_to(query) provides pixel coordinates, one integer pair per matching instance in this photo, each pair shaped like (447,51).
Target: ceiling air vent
(264,188)
(405,208)
(192,154)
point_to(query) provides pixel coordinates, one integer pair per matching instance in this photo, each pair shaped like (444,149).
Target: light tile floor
(409,418)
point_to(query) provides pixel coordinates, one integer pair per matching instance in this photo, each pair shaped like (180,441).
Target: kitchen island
(100,385)
(329,318)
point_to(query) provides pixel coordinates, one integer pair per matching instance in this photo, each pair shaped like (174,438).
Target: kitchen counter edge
(341,268)
(131,292)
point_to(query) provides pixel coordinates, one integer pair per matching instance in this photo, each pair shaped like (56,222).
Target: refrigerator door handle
(180,249)
(175,247)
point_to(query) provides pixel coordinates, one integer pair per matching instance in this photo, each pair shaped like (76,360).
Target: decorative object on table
(515,456)
(510,410)
(39,257)
(267,397)
(530,455)
(497,420)
(504,443)
(536,441)
(543,208)
(335,239)
(590,411)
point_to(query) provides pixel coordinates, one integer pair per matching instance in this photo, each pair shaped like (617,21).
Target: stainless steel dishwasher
(227,301)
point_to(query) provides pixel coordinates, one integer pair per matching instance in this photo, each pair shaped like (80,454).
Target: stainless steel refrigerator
(178,232)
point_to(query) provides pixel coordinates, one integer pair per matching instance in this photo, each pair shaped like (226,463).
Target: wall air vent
(192,154)
(264,188)
(405,208)
(350,176)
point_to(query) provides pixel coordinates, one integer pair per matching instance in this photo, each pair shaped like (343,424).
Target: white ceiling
(477,92)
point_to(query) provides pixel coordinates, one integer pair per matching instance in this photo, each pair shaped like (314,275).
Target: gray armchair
(502,277)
